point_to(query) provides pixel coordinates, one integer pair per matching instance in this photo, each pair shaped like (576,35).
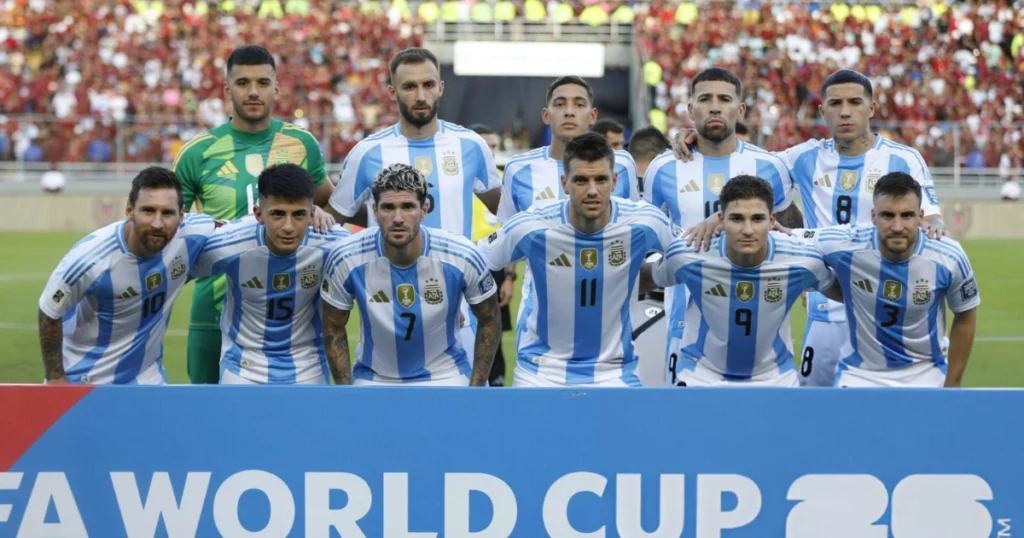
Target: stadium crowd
(89,64)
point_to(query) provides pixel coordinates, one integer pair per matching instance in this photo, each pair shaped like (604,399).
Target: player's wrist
(510,276)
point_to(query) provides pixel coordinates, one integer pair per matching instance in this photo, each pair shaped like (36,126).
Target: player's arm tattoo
(488,338)
(51,340)
(961,340)
(336,343)
(791,217)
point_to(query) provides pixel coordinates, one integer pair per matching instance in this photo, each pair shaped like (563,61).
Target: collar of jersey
(441,129)
(918,249)
(771,252)
(261,240)
(876,145)
(252,138)
(565,217)
(424,248)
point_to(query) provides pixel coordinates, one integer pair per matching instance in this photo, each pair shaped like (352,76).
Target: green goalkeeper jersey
(220,167)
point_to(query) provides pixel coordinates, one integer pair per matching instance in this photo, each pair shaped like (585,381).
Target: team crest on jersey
(153,281)
(892,290)
(406,295)
(254,164)
(922,292)
(177,268)
(773,290)
(848,180)
(744,290)
(873,176)
(588,258)
(432,292)
(616,253)
(715,183)
(449,165)
(423,164)
(281,281)
(309,278)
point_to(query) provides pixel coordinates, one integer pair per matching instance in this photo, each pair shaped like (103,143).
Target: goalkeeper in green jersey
(219,168)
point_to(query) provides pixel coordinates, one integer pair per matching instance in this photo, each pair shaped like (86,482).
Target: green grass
(26,259)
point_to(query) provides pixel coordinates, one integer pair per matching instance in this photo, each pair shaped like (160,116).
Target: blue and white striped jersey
(894,308)
(688,193)
(534,179)
(455,161)
(410,316)
(271,330)
(737,319)
(116,306)
(837,190)
(576,327)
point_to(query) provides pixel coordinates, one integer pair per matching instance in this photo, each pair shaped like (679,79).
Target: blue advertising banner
(490,463)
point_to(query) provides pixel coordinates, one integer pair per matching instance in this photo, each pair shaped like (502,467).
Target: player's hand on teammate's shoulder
(681,144)
(321,221)
(703,233)
(934,228)
(778,227)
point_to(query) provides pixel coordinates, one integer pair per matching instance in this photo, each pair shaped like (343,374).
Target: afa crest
(892,290)
(153,281)
(177,268)
(588,258)
(744,290)
(432,292)
(616,253)
(773,290)
(848,180)
(449,165)
(423,164)
(872,180)
(406,295)
(715,183)
(281,281)
(922,292)
(309,278)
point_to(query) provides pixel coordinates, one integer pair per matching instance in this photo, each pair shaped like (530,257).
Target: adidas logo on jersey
(692,186)
(380,297)
(561,261)
(228,171)
(717,291)
(546,194)
(824,181)
(253,284)
(128,294)
(865,285)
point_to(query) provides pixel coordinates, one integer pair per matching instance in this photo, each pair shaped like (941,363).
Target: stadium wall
(84,213)
(275,462)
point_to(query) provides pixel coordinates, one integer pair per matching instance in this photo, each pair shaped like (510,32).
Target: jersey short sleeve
(187,167)
(359,168)
(479,283)
(507,205)
(72,277)
(498,249)
(314,155)
(336,290)
(963,287)
(485,172)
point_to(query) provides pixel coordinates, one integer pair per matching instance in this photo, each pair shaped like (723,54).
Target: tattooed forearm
(51,340)
(336,344)
(488,337)
(791,217)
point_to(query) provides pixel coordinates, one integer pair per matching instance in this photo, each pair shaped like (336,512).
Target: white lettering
(711,520)
(320,518)
(457,487)
(282,505)
(840,506)
(1004,528)
(52,486)
(556,503)
(8,481)
(629,506)
(179,519)
(930,506)
(396,508)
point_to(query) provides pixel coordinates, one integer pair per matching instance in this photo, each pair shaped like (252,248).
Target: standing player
(586,254)
(688,192)
(740,294)
(105,309)
(534,178)
(836,179)
(455,161)
(612,131)
(271,325)
(409,281)
(219,169)
(894,281)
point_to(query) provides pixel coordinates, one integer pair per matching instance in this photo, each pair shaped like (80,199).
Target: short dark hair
(569,79)
(400,177)
(251,55)
(747,187)
(603,127)
(847,76)
(587,147)
(741,128)
(414,55)
(481,129)
(648,143)
(155,177)
(897,185)
(716,74)
(286,181)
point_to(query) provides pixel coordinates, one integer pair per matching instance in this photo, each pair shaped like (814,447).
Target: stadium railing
(612,33)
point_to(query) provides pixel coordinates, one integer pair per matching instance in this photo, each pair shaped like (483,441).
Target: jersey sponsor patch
(969,290)
(486,284)
(492,238)
(809,234)
(58,297)
(930,193)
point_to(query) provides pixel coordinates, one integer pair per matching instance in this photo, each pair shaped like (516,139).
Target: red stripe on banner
(26,412)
